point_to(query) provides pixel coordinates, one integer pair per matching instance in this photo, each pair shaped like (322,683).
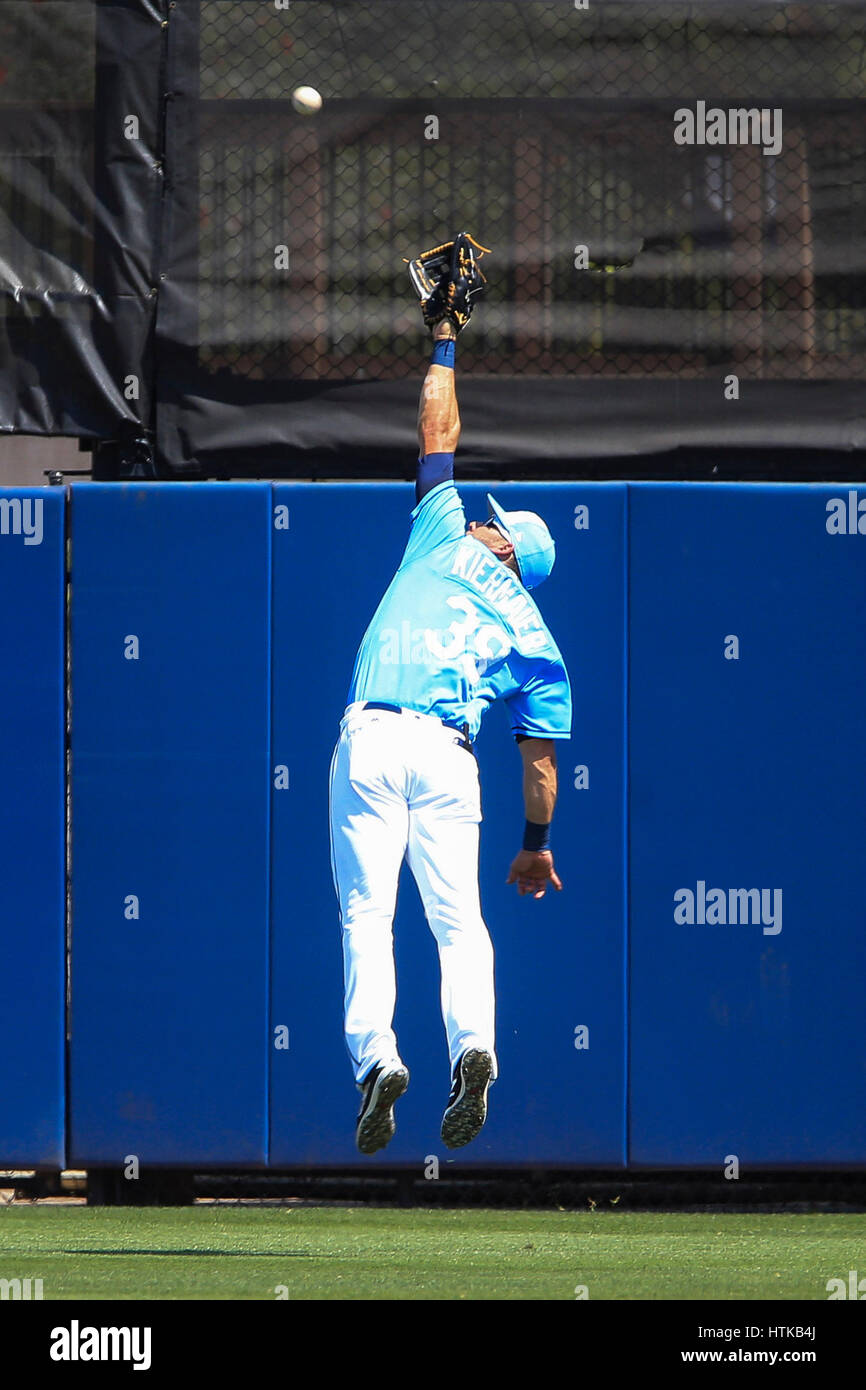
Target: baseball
(306,100)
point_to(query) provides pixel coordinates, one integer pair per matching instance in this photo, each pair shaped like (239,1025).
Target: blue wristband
(433,470)
(536,838)
(443,353)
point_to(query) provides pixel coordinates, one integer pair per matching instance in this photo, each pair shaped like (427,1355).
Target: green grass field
(228,1252)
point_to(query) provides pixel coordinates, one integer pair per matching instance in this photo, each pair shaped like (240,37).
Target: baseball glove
(448,280)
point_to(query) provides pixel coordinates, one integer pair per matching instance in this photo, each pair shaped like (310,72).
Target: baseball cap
(533,544)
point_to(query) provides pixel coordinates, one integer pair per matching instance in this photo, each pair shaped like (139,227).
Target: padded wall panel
(560,962)
(32,827)
(747,802)
(170,806)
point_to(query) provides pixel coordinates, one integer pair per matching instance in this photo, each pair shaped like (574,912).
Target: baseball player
(456,630)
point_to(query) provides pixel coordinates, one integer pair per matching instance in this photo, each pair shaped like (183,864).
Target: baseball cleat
(467,1105)
(379,1091)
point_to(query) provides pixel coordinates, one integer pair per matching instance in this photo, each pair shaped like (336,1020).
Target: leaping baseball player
(404,779)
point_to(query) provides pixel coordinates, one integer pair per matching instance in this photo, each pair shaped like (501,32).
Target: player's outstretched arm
(438,416)
(448,281)
(533,869)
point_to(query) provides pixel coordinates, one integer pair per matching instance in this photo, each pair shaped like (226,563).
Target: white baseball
(306,100)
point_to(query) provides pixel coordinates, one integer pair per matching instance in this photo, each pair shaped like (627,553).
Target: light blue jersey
(456,630)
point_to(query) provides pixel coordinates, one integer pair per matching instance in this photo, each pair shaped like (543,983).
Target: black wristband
(536,837)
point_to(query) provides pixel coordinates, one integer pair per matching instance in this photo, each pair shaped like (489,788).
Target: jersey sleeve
(541,706)
(438,517)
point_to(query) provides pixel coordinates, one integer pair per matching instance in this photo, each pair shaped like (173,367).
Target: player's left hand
(448,280)
(533,872)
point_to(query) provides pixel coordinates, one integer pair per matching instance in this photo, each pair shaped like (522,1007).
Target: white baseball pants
(402,786)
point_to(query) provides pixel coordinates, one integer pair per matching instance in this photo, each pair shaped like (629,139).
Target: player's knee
(366,918)
(451,925)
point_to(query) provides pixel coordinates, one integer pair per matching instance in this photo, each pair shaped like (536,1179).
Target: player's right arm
(438,422)
(533,868)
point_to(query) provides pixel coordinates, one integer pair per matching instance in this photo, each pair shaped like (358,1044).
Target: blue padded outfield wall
(170,834)
(560,962)
(32,827)
(747,775)
(695,993)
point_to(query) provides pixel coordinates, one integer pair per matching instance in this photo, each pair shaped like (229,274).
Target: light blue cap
(533,544)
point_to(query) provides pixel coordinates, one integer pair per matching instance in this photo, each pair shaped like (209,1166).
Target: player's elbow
(439,437)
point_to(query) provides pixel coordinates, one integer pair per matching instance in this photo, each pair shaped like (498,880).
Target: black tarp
(78,213)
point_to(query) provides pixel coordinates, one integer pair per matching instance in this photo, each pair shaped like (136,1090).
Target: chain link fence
(552,132)
(670,192)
